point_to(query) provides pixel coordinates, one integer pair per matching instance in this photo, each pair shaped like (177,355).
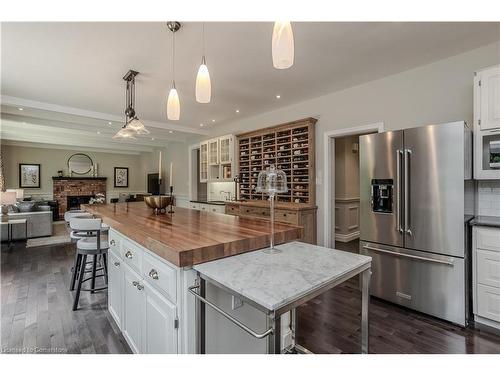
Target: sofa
(39,221)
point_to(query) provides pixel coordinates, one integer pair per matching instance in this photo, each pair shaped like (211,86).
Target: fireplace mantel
(79,178)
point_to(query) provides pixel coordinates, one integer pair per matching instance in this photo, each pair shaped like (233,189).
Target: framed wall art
(121,177)
(29,176)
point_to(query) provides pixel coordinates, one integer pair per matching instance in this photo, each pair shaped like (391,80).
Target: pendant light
(282,45)
(173,103)
(132,124)
(203,85)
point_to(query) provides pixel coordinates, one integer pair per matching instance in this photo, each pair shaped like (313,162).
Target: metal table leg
(274,339)
(200,318)
(365,302)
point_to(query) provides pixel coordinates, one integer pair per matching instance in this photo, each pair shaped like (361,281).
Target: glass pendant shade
(137,126)
(203,85)
(272,181)
(125,133)
(283,49)
(173,105)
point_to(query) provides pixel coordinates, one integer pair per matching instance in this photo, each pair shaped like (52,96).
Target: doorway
(343,139)
(346,198)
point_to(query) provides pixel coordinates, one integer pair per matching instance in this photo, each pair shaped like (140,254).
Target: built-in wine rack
(290,147)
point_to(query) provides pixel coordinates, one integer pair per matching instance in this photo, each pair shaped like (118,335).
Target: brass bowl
(158,203)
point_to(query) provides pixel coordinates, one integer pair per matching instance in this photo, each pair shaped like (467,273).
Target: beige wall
(52,160)
(437,92)
(346,168)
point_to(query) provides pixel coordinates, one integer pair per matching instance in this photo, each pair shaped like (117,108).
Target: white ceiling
(79,67)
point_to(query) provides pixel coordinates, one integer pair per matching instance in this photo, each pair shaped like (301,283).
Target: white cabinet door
(225,149)
(133,309)
(213,151)
(217,209)
(489,98)
(488,302)
(115,288)
(160,324)
(204,207)
(204,162)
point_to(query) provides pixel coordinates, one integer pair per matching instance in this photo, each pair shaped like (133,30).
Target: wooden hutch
(290,147)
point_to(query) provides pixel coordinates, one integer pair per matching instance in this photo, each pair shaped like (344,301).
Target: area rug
(60,236)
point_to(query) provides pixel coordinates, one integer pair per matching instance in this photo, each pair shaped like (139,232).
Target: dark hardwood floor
(36,315)
(36,306)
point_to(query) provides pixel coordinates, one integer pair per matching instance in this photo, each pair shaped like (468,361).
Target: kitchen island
(155,261)
(150,270)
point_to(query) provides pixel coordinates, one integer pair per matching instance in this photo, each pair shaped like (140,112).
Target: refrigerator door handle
(416,257)
(407,153)
(399,225)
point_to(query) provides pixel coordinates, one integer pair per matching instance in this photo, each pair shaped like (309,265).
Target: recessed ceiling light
(109,122)
(213,120)
(152,139)
(278,96)
(237,111)
(202,125)
(98,132)
(170,131)
(21,109)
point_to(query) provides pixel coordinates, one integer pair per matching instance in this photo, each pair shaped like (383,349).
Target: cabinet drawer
(488,302)
(232,209)
(254,211)
(114,242)
(216,209)
(132,255)
(286,216)
(194,206)
(488,268)
(204,207)
(160,276)
(488,238)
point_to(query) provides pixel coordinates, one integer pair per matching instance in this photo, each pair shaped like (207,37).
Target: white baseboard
(346,237)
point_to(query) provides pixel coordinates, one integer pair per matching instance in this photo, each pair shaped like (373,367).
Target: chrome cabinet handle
(135,283)
(112,242)
(154,274)
(128,255)
(117,264)
(407,192)
(140,287)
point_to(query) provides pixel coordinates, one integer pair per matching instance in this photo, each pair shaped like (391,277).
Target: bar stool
(77,235)
(94,244)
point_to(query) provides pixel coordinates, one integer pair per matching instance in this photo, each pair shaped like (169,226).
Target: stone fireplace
(70,192)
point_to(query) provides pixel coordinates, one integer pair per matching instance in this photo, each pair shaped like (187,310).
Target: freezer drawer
(429,283)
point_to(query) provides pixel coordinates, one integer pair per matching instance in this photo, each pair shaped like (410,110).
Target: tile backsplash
(488,198)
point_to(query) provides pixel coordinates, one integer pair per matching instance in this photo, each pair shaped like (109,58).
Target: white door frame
(193,186)
(329,175)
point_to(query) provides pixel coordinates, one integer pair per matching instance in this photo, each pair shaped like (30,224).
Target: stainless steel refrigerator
(415,192)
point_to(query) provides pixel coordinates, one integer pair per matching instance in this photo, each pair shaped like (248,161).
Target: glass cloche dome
(272,181)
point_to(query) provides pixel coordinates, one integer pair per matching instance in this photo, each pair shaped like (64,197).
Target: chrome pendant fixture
(173,102)
(203,85)
(283,49)
(132,124)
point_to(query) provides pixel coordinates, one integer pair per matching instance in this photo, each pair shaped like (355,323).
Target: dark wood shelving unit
(290,147)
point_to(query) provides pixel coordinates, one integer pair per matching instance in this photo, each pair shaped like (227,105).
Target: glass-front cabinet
(204,162)
(226,149)
(217,158)
(213,151)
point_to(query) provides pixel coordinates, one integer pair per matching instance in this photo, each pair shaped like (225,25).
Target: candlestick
(171,175)
(171,210)
(159,166)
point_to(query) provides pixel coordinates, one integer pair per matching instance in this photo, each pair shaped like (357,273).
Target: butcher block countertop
(190,237)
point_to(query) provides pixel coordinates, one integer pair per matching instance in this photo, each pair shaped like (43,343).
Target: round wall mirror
(80,164)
